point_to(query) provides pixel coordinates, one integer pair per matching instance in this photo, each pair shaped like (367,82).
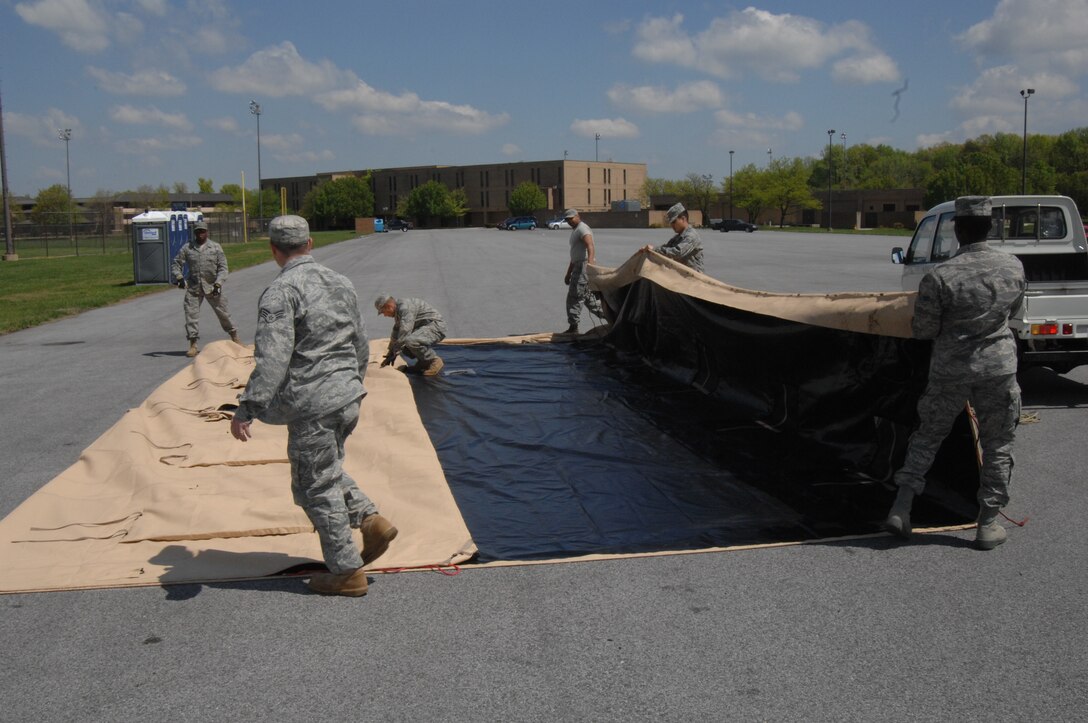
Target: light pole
(596,146)
(65,135)
(830,133)
(769,158)
(844,166)
(730,184)
(1024,163)
(255,109)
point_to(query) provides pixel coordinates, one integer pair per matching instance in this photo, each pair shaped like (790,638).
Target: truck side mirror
(897,255)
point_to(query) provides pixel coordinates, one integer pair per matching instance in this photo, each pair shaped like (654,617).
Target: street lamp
(830,133)
(1024,163)
(255,109)
(596,145)
(65,135)
(730,184)
(844,166)
(769,158)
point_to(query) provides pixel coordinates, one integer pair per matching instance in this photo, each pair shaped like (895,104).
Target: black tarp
(694,426)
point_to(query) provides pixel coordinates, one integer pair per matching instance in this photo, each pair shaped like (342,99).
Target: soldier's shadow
(184,565)
(155,354)
(1042,388)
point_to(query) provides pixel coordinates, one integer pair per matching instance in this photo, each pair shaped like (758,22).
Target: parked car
(504,225)
(520,222)
(398,224)
(559,223)
(734,224)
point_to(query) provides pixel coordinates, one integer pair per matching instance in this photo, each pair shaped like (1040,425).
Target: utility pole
(9,247)
(730,184)
(66,135)
(830,133)
(255,109)
(596,146)
(1024,163)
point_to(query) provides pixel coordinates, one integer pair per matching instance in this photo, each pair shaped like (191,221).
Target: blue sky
(158,91)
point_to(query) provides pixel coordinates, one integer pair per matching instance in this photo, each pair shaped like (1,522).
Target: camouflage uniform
(207,268)
(417,327)
(964,306)
(684,247)
(311,353)
(578,292)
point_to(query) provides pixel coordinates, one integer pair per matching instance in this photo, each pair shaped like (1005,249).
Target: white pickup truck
(1047,235)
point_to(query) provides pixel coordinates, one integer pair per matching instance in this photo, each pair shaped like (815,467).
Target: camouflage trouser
(193,297)
(578,293)
(417,345)
(331,499)
(996,402)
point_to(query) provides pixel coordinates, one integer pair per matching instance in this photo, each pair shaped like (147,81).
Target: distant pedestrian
(207,274)
(685,246)
(582,252)
(417,327)
(964,305)
(310,356)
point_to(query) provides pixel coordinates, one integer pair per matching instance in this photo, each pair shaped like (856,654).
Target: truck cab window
(920,245)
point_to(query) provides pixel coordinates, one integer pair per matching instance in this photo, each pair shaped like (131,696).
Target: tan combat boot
(434,367)
(350,584)
(990,533)
(192,348)
(378,532)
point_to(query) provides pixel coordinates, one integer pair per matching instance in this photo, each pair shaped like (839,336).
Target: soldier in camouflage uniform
(582,252)
(964,305)
(417,327)
(207,272)
(311,352)
(685,246)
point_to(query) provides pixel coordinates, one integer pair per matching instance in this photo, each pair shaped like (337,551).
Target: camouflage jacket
(964,306)
(412,314)
(311,348)
(207,265)
(684,247)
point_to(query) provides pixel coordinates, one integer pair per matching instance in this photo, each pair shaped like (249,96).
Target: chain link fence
(86,233)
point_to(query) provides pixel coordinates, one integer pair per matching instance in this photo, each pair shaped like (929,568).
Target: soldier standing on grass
(964,305)
(207,273)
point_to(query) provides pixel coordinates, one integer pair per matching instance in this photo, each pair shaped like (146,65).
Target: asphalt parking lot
(850,630)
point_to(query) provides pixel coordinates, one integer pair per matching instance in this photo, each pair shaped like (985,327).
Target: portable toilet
(157,237)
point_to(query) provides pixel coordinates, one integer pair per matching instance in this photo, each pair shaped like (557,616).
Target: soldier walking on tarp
(685,246)
(417,327)
(582,252)
(207,273)
(964,306)
(311,352)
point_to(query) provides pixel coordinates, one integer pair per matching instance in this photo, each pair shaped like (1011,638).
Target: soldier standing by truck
(964,305)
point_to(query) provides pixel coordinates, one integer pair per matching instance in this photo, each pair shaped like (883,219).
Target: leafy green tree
(433,201)
(750,191)
(698,191)
(785,187)
(181,187)
(205,185)
(53,206)
(526,198)
(337,203)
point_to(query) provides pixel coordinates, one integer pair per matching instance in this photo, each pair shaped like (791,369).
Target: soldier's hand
(180,283)
(216,290)
(389,359)
(566,280)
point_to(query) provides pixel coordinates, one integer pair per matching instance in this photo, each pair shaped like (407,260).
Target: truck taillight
(1067,328)
(1044,329)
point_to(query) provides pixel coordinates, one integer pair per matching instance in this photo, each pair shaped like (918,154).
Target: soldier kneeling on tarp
(417,327)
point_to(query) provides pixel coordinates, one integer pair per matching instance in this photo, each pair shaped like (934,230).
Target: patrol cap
(674,212)
(289,231)
(973,206)
(200,226)
(380,300)
(570,213)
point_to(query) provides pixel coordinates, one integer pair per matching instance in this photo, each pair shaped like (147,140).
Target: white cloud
(142,82)
(306,157)
(227,124)
(791,121)
(43,130)
(79,25)
(141,146)
(276,72)
(774,47)
(996,91)
(687,97)
(158,8)
(510,149)
(1039,33)
(607,127)
(281,142)
(151,115)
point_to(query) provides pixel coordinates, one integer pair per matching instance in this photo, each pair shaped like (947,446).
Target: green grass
(36,290)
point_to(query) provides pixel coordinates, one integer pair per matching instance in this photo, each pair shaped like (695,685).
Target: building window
(888,207)
(589,197)
(625,180)
(588,179)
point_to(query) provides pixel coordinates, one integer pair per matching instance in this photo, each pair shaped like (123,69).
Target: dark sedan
(734,224)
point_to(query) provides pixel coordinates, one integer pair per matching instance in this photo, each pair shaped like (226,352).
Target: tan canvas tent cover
(167,495)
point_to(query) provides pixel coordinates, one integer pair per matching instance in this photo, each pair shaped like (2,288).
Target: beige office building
(585,185)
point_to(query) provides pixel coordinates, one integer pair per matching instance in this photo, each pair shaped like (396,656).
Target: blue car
(521,222)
